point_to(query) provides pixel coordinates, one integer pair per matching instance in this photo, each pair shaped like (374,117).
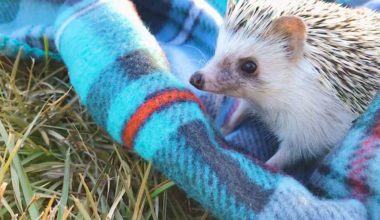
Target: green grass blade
(162,189)
(23,178)
(46,48)
(65,188)
(7,207)
(16,188)
(3,132)
(26,187)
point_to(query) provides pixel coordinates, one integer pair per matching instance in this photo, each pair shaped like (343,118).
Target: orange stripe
(152,105)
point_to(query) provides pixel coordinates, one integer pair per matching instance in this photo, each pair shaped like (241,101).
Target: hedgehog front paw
(226,129)
(279,160)
(238,114)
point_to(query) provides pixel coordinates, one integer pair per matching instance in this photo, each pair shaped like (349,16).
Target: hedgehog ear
(294,30)
(230,6)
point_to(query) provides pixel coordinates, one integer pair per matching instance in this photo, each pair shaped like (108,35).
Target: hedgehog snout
(197,80)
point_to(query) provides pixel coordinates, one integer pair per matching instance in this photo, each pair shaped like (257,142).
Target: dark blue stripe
(114,78)
(182,23)
(154,13)
(316,188)
(71,2)
(9,10)
(228,170)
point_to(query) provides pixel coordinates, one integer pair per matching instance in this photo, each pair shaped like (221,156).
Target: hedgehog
(306,68)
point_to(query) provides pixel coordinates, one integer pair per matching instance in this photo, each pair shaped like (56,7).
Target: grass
(56,163)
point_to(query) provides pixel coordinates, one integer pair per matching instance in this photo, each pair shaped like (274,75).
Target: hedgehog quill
(307,68)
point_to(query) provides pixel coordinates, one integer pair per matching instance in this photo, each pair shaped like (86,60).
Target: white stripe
(36,34)
(198,6)
(210,11)
(194,12)
(75,16)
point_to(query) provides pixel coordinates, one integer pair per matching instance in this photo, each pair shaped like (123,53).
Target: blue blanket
(120,73)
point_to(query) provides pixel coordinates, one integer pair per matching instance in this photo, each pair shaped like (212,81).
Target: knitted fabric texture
(119,70)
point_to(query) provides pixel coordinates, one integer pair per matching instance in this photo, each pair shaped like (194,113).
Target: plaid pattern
(111,55)
(351,171)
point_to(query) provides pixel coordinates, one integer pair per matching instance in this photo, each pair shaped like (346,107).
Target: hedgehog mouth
(220,90)
(211,87)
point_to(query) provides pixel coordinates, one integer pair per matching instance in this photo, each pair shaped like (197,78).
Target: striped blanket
(134,83)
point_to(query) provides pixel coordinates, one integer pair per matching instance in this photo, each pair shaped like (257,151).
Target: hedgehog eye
(248,67)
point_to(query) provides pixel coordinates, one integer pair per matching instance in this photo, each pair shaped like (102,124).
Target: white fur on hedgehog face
(274,71)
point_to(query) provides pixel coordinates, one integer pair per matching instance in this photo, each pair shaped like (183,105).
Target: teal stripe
(91,43)
(373,171)
(334,186)
(10,47)
(68,10)
(234,207)
(132,96)
(256,173)
(205,182)
(219,5)
(223,199)
(214,194)
(339,162)
(373,205)
(156,132)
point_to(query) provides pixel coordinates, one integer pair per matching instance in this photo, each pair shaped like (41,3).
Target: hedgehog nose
(197,80)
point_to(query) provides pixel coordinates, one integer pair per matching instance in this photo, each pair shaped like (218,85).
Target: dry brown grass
(55,163)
